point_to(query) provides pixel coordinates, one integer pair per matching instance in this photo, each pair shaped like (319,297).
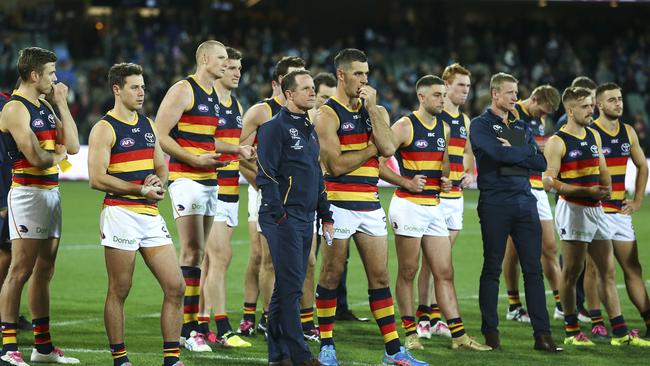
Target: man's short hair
(498,79)
(324,78)
(205,47)
(289,80)
(282,67)
(452,70)
(546,94)
(233,54)
(606,87)
(428,80)
(574,93)
(33,59)
(347,56)
(584,82)
(119,72)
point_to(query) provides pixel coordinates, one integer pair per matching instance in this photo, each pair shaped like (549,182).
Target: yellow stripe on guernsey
(458,128)
(423,155)
(131,160)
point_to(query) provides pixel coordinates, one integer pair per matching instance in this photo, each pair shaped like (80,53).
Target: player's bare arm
(335,161)
(553,152)
(66,131)
(402,131)
(178,100)
(15,120)
(100,143)
(641,164)
(382,135)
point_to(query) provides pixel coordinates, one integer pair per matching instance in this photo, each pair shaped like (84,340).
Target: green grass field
(79,288)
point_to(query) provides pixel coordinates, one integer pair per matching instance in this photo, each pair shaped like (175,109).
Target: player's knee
(175,289)
(191,258)
(119,289)
(330,275)
(408,272)
(378,279)
(19,274)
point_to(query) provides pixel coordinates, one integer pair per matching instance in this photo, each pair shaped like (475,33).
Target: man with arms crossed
(126,161)
(415,212)
(543,101)
(186,121)
(36,141)
(353,130)
(578,172)
(507,208)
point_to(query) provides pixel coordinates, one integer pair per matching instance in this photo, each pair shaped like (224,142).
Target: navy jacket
(490,155)
(289,174)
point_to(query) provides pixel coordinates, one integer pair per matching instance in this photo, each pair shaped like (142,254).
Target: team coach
(291,182)
(505,153)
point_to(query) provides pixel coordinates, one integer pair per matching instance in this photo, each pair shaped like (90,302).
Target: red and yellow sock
(434,315)
(171,353)
(249,311)
(596,317)
(307,318)
(556,297)
(381,304)
(513,300)
(326,307)
(118,351)
(423,313)
(204,324)
(42,340)
(9,341)
(571,326)
(223,324)
(456,327)
(192,276)
(408,323)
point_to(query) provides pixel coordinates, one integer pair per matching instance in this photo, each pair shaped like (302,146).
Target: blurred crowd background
(537,41)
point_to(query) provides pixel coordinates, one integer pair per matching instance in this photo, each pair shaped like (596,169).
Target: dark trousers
(521,221)
(289,244)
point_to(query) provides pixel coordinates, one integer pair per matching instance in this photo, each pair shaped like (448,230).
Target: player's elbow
(73,149)
(387,151)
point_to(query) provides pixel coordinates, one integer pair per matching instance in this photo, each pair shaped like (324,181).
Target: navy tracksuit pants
(521,221)
(289,244)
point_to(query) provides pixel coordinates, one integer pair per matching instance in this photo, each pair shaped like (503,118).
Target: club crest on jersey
(149,137)
(127,142)
(421,144)
(594,149)
(38,123)
(222,122)
(625,147)
(606,150)
(440,142)
(347,126)
(575,153)
(203,108)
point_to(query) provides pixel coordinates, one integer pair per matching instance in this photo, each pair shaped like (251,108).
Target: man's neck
(223,93)
(204,78)
(502,113)
(608,123)
(527,104)
(451,108)
(350,102)
(424,116)
(295,109)
(121,112)
(574,128)
(28,92)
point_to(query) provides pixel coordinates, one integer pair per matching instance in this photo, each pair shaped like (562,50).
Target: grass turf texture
(79,287)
